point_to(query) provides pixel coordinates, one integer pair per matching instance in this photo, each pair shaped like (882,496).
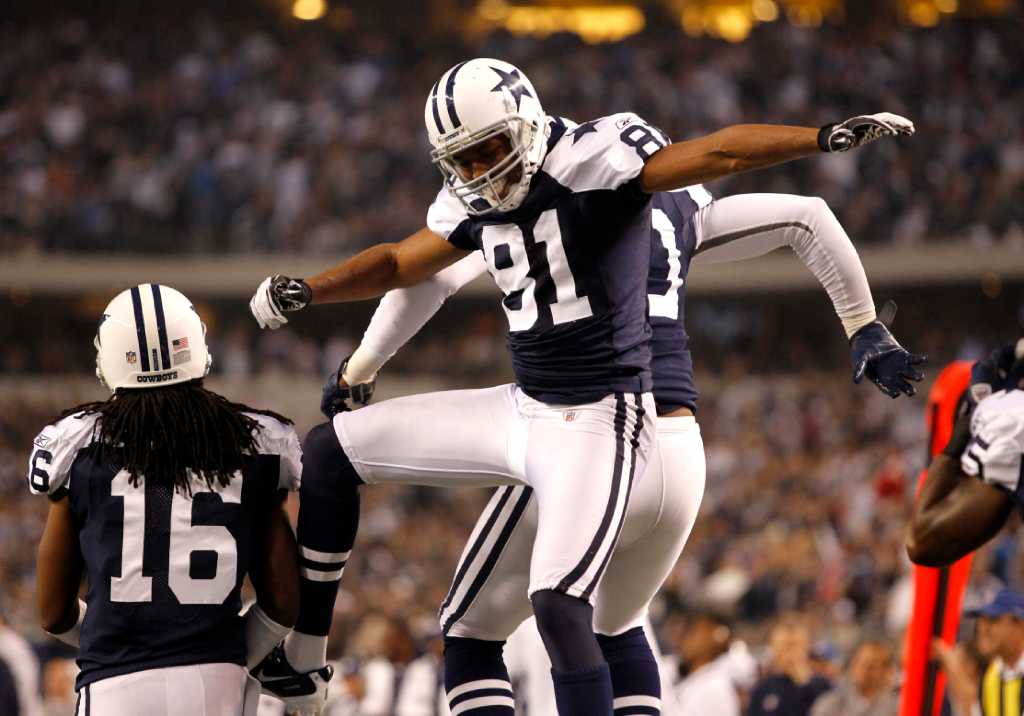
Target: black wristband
(823,135)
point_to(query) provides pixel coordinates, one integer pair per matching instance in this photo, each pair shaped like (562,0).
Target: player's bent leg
(476,681)
(667,498)
(486,602)
(454,438)
(488,595)
(636,680)
(583,685)
(327,524)
(669,503)
(582,462)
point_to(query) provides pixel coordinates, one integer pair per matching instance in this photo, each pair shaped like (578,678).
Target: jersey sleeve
(53,452)
(604,153)
(994,453)
(276,438)
(447,218)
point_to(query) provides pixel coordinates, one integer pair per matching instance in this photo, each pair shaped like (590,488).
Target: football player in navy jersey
(165,496)
(562,214)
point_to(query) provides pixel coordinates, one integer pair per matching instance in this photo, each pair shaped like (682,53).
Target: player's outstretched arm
(275,578)
(746,147)
(58,574)
(368,274)
(750,225)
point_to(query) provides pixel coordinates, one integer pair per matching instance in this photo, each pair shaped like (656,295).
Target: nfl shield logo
(130,357)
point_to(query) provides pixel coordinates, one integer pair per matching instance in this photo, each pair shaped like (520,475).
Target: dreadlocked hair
(173,432)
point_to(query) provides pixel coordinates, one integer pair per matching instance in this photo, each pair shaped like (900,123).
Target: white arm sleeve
(403,312)
(749,225)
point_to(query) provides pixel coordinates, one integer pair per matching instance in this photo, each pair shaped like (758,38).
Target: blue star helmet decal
(512,81)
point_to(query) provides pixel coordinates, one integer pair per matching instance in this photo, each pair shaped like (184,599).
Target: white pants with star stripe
(577,464)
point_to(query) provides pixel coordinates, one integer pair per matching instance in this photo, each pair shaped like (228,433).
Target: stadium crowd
(251,133)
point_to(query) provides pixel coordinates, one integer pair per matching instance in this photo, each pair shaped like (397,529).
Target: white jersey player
(975,482)
(165,497)
(561,214)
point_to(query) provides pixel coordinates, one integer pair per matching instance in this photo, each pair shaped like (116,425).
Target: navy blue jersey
(673,244)
(164,569)
(572,261)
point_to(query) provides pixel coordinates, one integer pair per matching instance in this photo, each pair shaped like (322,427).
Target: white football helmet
(477,100)
(149,336)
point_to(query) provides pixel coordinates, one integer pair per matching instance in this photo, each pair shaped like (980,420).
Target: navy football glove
(885,362)
(335,398)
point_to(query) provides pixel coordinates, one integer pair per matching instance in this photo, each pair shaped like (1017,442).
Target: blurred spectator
(708,662)
(868,689)
(1001,642)
(825,660)
(17,656)
(59,687)
(395,680)
(790,686)
(963,666)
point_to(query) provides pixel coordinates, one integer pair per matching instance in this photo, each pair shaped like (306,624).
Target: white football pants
(194,690)
(662,510)
(574,466)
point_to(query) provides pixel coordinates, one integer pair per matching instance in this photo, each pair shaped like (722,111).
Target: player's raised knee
(324,462)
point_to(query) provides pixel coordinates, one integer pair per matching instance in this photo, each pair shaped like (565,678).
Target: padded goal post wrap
(938,593)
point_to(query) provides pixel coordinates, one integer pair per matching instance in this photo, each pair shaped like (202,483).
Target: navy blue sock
(475,677)
(328,521)
(636,682)
(587,692)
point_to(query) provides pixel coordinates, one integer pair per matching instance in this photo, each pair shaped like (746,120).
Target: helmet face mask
(503,186)
(484,99)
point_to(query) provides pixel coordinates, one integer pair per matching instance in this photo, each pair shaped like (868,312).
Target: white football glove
(863,129)
(276,295)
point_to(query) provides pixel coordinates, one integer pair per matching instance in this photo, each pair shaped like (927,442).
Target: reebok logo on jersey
(41,441)
(162,378)
(569,415)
